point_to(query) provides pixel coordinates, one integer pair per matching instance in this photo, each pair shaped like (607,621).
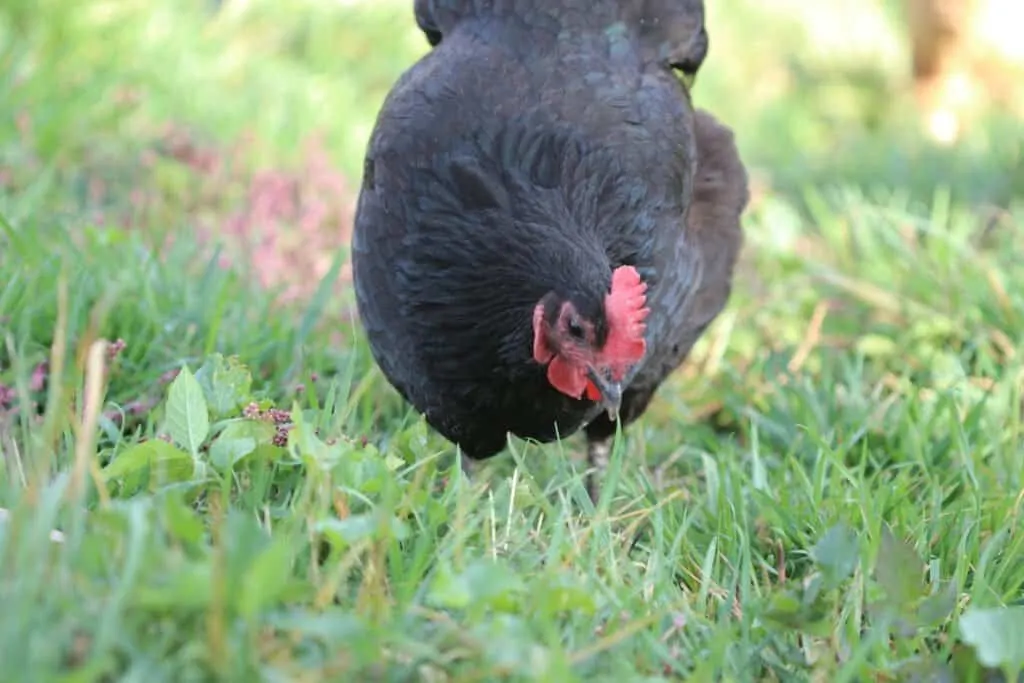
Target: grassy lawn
(830,490)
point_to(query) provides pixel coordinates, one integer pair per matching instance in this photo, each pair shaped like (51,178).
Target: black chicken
(545,225)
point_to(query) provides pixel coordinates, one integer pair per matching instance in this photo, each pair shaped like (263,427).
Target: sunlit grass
(828,490)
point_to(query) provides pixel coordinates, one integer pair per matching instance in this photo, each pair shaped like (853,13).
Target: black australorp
(545,225)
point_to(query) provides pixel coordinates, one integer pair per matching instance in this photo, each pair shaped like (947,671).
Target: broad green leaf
(165,463)
(267,578)
(448,590)
(510,645)
(96,669)
(393,462)
(188,587)
(997,635)
(260,431)
(182,521)
(564,593)
(305,445)
(152,453)
(187,417)
(268,453)
(343,532)
(966,668)
(837,552)
(494,584)
(333,626)
(226,384)
(799,609)
(225,452)
(937,607)
(899,570)
(484,583)
(784,607)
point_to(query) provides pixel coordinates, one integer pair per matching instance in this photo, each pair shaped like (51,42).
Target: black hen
(545,225)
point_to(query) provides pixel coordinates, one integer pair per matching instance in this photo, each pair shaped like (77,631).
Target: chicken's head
(589,352)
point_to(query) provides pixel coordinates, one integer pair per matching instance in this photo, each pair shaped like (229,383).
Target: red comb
(626,310)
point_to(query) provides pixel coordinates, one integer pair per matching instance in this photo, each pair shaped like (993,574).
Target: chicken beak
(611,393)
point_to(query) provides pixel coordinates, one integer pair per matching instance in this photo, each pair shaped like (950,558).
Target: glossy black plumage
(538,146)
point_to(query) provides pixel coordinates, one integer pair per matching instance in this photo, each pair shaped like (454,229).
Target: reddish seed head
(569,348)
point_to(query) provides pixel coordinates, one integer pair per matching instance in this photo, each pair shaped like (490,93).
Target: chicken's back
(593,80)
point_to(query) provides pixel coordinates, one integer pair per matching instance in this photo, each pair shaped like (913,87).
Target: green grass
(830,489)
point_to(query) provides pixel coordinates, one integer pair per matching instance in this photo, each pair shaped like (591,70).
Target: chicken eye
(575,329)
